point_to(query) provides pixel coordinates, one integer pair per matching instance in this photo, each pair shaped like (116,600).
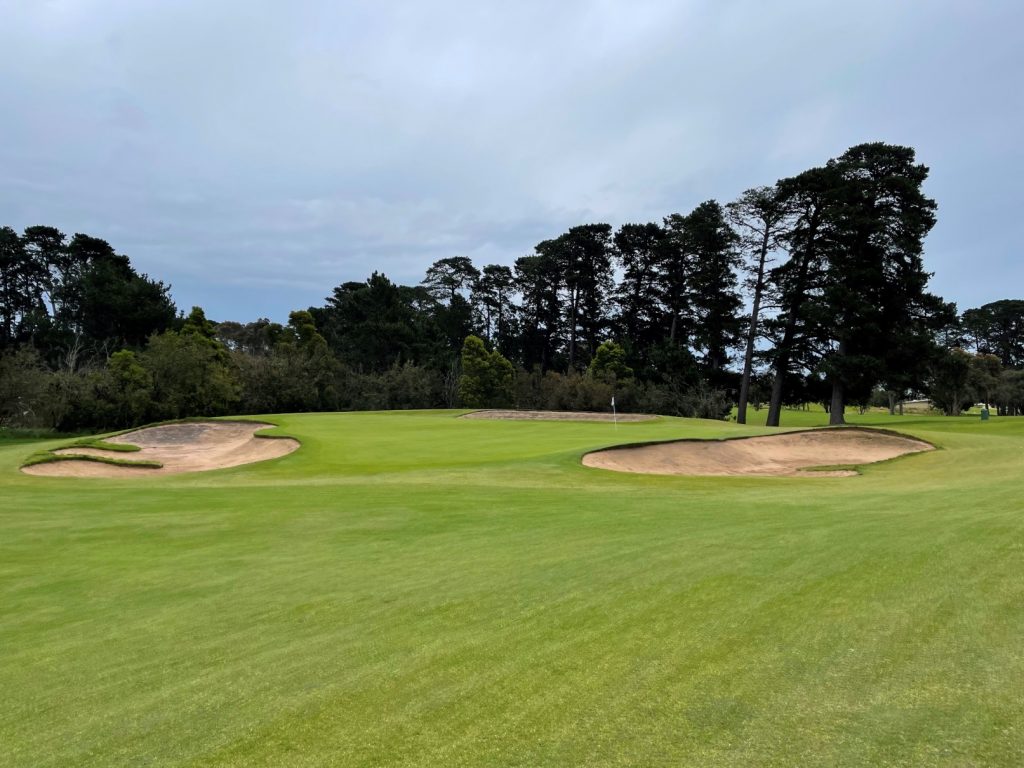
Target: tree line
(812,289)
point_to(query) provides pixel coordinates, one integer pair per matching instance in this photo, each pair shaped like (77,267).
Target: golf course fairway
(415,589)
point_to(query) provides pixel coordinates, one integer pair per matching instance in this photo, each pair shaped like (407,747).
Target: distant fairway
(414,589)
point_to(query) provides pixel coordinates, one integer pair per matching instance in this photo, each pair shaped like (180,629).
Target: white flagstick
(615,416)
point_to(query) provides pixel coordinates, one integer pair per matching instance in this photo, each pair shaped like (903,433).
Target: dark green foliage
(796,282)
(831,257)
(855,304)
(571,391)
(997,329)
(116,303)
(641,251)
(950,384)
(76,300)
(454,321)
(293,370)
(706,244)
(700,401)
(609,363)
(537,280)
(375,325)
(446,278)
(761,217)
(129,389)
(401,387)
(255,338)
(1010,392)
(487,377)
(18,277)
(492,300)
(697,287)
(23,389)
(985,377)
(875,291)
(581,262)
(191,371)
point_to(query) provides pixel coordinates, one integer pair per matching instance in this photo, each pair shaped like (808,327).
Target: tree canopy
(811,288)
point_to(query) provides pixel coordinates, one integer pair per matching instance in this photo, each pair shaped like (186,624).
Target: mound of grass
(48,457)
(103,445)
(838,467)
(414,589)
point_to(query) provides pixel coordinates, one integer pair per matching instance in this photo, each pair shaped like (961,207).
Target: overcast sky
(256,154)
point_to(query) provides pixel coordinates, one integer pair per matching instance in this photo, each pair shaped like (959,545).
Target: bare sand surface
(556,415)
(189,447)
(786,454)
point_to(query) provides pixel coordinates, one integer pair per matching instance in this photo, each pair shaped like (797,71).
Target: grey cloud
(256,154)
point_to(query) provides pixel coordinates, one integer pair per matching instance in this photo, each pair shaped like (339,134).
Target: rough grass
(412,589)
(105,445)
(48,456)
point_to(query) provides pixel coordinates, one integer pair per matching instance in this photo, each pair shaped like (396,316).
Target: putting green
(414,589)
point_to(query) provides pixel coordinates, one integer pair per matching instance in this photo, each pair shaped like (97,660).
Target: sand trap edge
(809,471)
(534,415)
(156,467)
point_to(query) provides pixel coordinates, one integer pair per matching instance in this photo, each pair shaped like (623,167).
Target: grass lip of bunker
(513,415)
(787,454)
(178,448)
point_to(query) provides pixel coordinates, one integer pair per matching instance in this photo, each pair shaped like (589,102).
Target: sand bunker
(787,454)
(190,447)
(556,416)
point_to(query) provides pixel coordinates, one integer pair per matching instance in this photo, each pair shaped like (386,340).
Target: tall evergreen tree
(800,278)
(640,250)
(113,304)
(447,278)
(997,328)
(674,281)
(876,287)
(376,324)
(492,300)
(583,256)
(761,217)
(47,250)
(537,280)
(15,276)
(714,297)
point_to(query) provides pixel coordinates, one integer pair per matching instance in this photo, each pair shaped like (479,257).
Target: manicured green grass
(411,589)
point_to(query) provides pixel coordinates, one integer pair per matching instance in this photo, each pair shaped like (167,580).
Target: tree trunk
(892,403)
(785,346)
(781,366)
(748,357)
(775,404)
(837,407)
(572,332)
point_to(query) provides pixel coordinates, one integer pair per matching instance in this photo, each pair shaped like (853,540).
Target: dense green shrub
(487,379)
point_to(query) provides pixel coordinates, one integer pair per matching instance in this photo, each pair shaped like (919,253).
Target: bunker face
(192,447)
(770,455)
(557,416)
